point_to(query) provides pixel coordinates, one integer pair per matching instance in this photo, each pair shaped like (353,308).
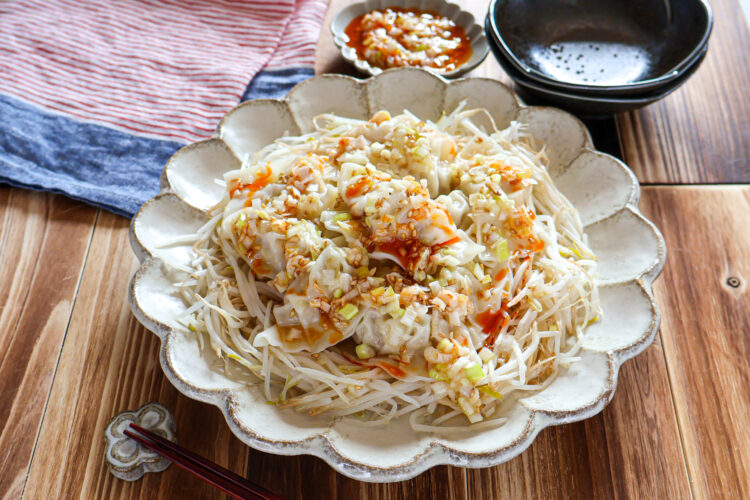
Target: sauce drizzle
(492,322)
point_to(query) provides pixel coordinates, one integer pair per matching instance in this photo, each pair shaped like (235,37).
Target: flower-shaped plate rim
(437,451)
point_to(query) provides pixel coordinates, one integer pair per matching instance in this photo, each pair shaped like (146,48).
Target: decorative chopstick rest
(126,458)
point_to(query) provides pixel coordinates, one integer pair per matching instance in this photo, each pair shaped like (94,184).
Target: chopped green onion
(474,372)
(338,293)
(348,311)
(241,222)
(503,202)
(389,292)
(342,217)
(502,249)
(394,309)
(486,354)
(485,279)
(397,312)
(263,215)
(362,271)
(437,375)
(420,152)
(370,205)
(488,390)
(364,351)
(377,291)
(468,410)
(445,345)
(478,271)
(465,406)
(192,327)
(593,320)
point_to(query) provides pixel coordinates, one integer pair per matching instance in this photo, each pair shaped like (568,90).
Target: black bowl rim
(641,85)
(633,102)
(653,95)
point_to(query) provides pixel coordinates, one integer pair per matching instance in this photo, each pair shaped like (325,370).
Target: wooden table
(72,355)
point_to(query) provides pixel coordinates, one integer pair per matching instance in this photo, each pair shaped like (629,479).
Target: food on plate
(374,269)
(408,37)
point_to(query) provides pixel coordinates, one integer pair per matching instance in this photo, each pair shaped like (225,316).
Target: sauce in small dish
(409,37)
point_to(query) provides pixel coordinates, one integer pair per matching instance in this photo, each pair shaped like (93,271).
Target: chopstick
(214,474)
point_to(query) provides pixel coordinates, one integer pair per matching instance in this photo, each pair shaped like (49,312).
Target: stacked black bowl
(598,57)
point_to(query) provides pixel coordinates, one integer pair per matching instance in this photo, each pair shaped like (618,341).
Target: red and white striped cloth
(297,46)
(165,69)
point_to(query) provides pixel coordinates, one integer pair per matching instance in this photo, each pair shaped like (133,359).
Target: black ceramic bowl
(587,104)
(612,47)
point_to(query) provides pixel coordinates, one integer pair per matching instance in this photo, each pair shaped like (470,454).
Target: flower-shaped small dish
(601,47)
(474,31)
(630,249)
(126,458)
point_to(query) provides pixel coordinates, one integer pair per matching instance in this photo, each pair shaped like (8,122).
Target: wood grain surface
(311,478)
(43,245)
(678,427)
(706,329)
(109,364)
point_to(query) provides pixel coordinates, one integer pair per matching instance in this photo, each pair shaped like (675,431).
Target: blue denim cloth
(114,170)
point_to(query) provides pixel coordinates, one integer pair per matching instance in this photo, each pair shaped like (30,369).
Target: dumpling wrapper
(313,339)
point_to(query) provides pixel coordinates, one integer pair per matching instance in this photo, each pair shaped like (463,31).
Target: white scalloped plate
(631,252)
(479,44)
